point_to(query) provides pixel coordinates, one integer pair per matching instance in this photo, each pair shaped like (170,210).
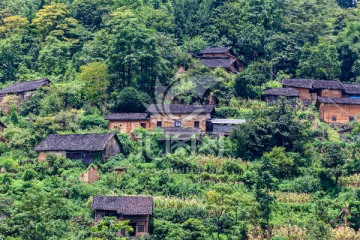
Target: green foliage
(129,100)
(92,121)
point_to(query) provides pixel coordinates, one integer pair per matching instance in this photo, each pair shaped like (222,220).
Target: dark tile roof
(125,205)
(179,109)
(127,116)
(215,50)
(300,83)
(218,128)
(76,142)
(181,130)
(227,121)
(217,62)
(324,84)
(287,92)
(25,86)
(179,133)
(352,88)
(346,101)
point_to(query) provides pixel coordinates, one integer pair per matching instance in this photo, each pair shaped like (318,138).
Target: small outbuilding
(84,147)
(274,94)
(24,89)
(137,209)
(128,122)
(222,57)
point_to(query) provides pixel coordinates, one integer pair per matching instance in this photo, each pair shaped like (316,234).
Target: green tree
(319,62)
(108,226)
(10,57)
(96,79)
(129,100)
(333,159)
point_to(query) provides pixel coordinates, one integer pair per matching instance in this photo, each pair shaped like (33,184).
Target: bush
(91,121)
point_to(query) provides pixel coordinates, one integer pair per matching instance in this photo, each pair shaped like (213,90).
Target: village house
(137,209)
(338,110)
(222,57)
(324,88)
(303,87)
(24,89)
(272,95)
(163,116)
(84,147)
(127,122)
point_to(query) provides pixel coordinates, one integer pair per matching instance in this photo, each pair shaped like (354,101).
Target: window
(177,123)
(143,125)
(333,118)
(141,228)
(159,124)
(74,155)
(351,119)
(196,124)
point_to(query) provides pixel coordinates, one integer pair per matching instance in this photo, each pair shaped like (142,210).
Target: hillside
(280,172)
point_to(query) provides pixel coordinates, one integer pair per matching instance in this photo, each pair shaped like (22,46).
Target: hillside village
(179,119)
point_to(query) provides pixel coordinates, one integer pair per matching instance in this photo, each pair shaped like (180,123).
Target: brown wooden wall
(188,120)
(139,220)
(304,94)
(331,93)
(342,112)
(127,126)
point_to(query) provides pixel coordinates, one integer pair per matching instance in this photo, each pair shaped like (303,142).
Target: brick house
(180,115)
(137,209)
(222,57)
(303,87)
(84,147)
(127,122)
(24,89)
(338,110)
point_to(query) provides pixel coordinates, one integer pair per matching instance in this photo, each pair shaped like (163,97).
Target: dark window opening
(196,124)
(143,125)
(133,233)
(159,124)
(351,118)
(333,118)
(110,214)
(177,123)
(141,228)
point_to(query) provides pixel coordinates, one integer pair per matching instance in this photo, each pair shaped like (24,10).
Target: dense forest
(281,175)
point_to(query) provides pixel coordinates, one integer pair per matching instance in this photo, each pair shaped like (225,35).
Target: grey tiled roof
(127,116)
(217,62)
(125,205)
(215,50)
(300,83)
(325,84)
(25,86)
(346,101)
(287,92)
(352,88)
(76,142)
(179,108)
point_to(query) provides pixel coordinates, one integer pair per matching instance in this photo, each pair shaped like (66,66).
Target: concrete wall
(187,120)
(342,112)
(127,126)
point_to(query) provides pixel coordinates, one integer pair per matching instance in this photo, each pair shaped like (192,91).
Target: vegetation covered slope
(282,175)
